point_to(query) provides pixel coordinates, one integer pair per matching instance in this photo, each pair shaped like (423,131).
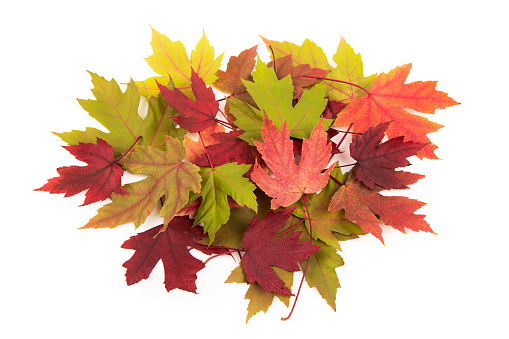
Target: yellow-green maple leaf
(307,53)
(348,68)
(116,111)
(170,60)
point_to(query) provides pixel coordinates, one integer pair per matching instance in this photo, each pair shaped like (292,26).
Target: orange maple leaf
(387,99)
(291,180)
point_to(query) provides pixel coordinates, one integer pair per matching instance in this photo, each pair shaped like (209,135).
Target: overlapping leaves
(261,179)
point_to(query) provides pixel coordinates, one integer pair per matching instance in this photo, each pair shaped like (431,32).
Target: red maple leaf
(101,177)
(387,100)
(196,115)
(291,180)
(170,246)
(376,163)
(362,206)
(263,252)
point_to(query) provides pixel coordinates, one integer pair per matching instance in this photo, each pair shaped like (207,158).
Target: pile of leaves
(255,173)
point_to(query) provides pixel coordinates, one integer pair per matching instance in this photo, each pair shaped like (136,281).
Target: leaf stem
(273,59)
(344,135)
(205,148)
(130,148)
(220,254)
(305,198)
(336,180)
(298,291)
(348,165)
(289,230)
(336,80)
(309,216)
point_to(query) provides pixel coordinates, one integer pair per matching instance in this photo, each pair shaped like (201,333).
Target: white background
(61,282)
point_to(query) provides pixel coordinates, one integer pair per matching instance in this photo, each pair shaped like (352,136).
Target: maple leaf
(361,206)
(170,245)
(116,111)
(239,68)
(263,252)
(291,180)
(275,98)
(387,100)
(168,176)
(170,60)
(283,67)
(195,115)
(218,183)
(101,177)
(349,68)
(321,272)
(376,162)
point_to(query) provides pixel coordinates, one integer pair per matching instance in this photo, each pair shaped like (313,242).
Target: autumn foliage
(257,173)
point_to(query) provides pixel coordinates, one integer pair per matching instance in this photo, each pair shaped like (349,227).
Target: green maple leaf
(275,98)
(170,60)
(168,176)
(327,227)
(217,184)
(348,68)
(116,111)
(321,271)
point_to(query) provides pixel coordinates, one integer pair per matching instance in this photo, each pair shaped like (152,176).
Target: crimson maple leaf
(263,252)
(195,115)
(362,206)
(376,162)
(170,246)
(101,177)
(291,180)
(386,101)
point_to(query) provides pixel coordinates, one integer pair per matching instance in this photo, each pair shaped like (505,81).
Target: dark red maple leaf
(170,246)
(229,148)
(196,115)
(376,163)
(101,177)
(263,252)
